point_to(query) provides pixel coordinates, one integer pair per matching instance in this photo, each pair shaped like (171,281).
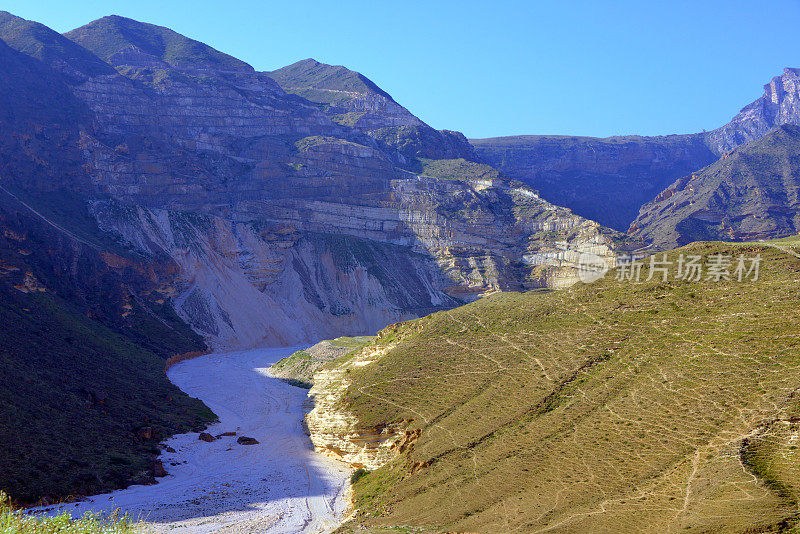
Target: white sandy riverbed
(278,486)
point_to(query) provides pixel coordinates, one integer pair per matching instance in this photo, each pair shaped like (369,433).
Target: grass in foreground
(611,407)
(14,521)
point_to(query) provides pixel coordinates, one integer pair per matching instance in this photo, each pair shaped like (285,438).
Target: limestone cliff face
(256,283)
(287,223)
(780,104)
(297,270)
(336,432)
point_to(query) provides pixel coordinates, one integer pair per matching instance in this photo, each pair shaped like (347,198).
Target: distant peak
(47,45)
(111,34)
(312,75)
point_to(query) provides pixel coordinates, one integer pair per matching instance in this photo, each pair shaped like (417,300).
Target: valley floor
(279,485)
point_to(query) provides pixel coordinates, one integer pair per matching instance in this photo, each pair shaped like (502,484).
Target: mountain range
(608,180)
(167,196)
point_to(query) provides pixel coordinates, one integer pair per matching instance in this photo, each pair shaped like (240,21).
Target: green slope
(609,407)
(75,397)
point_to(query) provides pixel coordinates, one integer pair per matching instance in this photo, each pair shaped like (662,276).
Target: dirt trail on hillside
(277,486)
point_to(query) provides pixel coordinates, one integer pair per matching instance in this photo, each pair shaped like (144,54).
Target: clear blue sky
(491,68)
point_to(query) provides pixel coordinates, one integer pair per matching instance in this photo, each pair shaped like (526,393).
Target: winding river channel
(277,486)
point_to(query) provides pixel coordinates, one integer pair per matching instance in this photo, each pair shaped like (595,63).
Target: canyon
(160,199)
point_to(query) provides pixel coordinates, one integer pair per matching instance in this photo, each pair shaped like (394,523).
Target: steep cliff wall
(605,180)
(780,104)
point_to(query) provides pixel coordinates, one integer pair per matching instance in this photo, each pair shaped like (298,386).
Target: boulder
(158,469)
(244,440)
(205,436)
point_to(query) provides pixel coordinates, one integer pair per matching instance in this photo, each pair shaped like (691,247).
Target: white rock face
(294,271)
(335,432)
(241,287)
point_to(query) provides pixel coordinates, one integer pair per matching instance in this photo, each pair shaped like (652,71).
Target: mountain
(780,104)
(658,406)
(352,99)
(160,197)
(750,193)
(608,180)
(603,179)
(274,186)
(48,46)
(121,41)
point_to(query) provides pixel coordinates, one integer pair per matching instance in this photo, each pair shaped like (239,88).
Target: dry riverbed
(279,485)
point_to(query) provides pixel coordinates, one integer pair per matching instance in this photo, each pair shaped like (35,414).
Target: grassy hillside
(750,193)
(299,367)
(82,408)
(610,407)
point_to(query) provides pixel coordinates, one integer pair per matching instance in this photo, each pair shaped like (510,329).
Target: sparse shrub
(358,474)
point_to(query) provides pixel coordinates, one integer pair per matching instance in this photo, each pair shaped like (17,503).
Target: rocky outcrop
(780,104)
(336,432)
(750,193)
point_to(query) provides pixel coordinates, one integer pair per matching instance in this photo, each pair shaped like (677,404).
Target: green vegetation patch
(82,408)
(458,169)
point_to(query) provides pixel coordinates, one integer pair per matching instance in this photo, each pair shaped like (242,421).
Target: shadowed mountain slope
(750,193)
(605,180)
(48,46)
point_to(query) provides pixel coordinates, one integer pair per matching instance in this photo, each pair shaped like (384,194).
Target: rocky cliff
(608,180)
(780,104)
(336,431)
(286,222)
(750,193)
